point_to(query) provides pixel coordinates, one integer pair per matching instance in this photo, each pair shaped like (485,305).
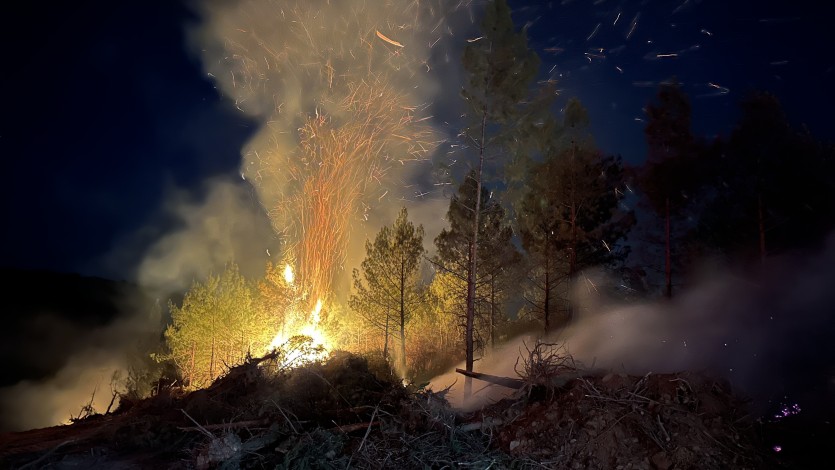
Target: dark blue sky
(105,109)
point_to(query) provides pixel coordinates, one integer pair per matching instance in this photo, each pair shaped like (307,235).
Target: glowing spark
(475,39)
(289,277)
(786,411)
(681,7)
(662,56)
(386,39)
(632,26)
(594,32)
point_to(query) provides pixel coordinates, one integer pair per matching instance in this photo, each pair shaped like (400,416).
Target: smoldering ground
(769,336)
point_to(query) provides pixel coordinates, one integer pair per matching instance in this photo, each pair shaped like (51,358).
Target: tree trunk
(471,272)
(668,262)
(403,317)
(572,254)
(212,361)
(386,338)
(761,227)
(547,301)
(492,322)
(191,371)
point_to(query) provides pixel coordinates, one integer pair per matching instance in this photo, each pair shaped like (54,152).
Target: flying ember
(288,274)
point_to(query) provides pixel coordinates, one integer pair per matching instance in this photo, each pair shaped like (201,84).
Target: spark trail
(341,90)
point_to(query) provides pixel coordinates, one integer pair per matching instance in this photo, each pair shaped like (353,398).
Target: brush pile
(352,412)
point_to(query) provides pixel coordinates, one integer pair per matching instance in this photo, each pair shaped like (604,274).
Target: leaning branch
(494,379)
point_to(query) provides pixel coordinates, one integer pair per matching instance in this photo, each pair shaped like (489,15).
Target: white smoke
(769,337)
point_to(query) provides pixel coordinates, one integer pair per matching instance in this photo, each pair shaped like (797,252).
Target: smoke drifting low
(87,359)
(195,234)
(771,338)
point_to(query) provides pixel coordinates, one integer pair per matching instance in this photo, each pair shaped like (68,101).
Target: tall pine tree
(501,69)
(386,287)
(669,175)
(570,217)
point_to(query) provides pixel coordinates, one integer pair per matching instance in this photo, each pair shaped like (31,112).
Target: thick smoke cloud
(226,224)
(93,356)
(305,68)
(769,337)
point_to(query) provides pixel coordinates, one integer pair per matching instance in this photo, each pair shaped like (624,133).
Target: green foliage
(217,326)
(500,67)
(498,258)
(387,285)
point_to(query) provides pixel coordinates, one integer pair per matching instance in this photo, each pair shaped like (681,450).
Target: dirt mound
(345,413)
(617,421)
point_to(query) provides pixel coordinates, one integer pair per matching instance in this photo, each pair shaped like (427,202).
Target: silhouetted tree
(496,257)
(773,188)
(669,175)
(500,69)
(570,216)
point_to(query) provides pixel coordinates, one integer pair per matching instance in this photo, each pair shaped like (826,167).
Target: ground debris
(343,413)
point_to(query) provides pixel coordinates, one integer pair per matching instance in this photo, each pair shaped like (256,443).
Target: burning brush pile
(352,412)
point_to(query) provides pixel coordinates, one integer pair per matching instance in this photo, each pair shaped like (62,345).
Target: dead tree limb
(515,384)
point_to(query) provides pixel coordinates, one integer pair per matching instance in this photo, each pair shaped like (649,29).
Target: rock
(661,461)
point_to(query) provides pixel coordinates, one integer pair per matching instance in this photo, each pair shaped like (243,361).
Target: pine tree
(387,285)
(771,185)
(669,176)
(501,68)
(496,258)
(570,217)
(216,327)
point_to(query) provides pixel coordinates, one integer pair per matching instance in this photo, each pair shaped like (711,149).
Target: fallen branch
(239,424)
(494,379)
(353,427)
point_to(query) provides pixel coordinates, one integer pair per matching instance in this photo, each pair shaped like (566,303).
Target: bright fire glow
(318,347)
(288,274)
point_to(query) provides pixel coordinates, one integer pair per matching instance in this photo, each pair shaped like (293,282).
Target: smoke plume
(94,362)
(769,337)
(344,94)
(225,225)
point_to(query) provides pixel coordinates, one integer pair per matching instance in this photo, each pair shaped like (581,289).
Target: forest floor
(343,413)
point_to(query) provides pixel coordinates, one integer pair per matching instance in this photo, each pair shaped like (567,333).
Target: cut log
(494,379)
(237,425)
(555,381)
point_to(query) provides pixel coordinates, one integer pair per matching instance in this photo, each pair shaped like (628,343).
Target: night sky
(107,110)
